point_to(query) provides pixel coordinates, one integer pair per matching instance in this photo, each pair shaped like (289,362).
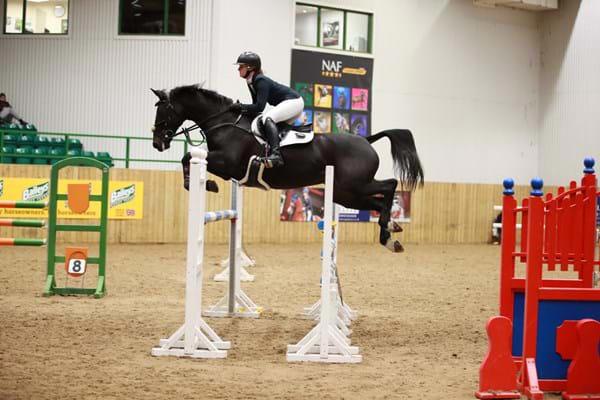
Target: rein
(203,132)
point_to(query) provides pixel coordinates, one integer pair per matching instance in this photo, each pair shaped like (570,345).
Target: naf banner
(336,90)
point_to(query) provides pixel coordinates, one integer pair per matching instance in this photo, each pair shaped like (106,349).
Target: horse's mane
(193,90)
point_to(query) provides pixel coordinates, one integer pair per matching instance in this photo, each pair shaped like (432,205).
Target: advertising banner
(306,205)
(126,198)
(336,90)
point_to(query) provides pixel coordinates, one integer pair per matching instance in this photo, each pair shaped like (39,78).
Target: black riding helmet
(249,58)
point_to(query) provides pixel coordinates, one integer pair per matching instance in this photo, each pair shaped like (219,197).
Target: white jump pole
(326,342)
(245,261)
(236,303)
(194,338)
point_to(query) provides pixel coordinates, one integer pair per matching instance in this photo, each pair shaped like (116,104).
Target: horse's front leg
(211,186)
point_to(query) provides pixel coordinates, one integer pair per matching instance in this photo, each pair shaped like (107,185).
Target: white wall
(464,79)
(570,90)
(265,27)
(93,81)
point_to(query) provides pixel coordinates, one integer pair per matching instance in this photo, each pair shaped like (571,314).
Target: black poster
(336,90)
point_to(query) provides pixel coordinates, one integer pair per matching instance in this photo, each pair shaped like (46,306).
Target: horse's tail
(404,153)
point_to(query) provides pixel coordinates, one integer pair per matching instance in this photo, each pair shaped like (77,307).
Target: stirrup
(269,163)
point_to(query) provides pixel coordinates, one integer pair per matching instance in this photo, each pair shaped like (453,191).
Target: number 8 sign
(76,260)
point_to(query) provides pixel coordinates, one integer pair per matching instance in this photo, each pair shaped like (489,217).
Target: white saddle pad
(291,137)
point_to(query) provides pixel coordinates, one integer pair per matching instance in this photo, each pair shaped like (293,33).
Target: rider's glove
(236,107)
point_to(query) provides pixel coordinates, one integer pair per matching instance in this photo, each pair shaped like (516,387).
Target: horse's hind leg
(377,196)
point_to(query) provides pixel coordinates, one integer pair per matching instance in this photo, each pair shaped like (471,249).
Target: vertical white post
(326,342)
(194,338)
(234,247)
(326,262)
(195,248)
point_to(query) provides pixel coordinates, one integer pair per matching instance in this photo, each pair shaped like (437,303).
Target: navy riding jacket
(265,90)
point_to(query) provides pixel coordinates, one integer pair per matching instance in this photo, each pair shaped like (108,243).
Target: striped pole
(22,242)
(212,216)
(22,204)
(28,223)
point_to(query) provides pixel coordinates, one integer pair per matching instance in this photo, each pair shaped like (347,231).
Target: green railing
(127,159)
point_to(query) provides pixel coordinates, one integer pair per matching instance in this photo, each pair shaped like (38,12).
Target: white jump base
(245,276)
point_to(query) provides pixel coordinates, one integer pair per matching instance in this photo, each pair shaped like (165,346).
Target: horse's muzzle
(160,141)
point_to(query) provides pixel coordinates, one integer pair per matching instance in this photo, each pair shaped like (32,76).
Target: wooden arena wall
(451,213)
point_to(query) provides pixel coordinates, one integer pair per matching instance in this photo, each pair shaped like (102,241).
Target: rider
(287,104)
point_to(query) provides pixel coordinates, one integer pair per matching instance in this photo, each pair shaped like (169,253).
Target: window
(306,25)
(152,17)
(357,32)
(44,17)
(333,28)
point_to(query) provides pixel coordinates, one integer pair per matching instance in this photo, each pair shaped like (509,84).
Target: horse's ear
(160,94)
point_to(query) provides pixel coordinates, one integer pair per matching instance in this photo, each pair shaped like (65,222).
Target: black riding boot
(274,159)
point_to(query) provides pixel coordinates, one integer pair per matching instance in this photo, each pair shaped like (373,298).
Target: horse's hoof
(211,186)
(186,183)
(394,246)
(394,227)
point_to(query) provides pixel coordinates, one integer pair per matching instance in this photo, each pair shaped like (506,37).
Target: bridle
(169,135)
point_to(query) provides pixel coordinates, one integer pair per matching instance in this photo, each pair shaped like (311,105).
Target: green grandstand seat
(74,153)
(57,142)
(8,148)
(41,142)
(106,158)
(23,153)
(25,140)
(59,152)
(75,144)
(10,139)
(30,127)
(40,152)
(89,154)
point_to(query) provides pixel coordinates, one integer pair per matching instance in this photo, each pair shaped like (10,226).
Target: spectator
(497,232)
(7,113)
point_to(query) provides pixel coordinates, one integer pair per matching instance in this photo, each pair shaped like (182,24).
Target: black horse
(231,145)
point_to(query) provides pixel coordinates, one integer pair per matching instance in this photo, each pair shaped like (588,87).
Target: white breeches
(287,110)
(7,112)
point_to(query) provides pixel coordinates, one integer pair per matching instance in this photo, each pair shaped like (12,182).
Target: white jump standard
(327,341)
(195,338)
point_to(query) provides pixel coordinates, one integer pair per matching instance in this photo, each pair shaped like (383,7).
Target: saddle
(289,134)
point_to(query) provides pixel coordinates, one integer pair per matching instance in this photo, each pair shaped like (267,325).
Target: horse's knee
(211,186)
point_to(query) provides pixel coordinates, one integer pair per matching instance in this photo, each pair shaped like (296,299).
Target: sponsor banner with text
(126,198)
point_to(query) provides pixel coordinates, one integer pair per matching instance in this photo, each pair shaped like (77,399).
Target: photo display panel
(336,90)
